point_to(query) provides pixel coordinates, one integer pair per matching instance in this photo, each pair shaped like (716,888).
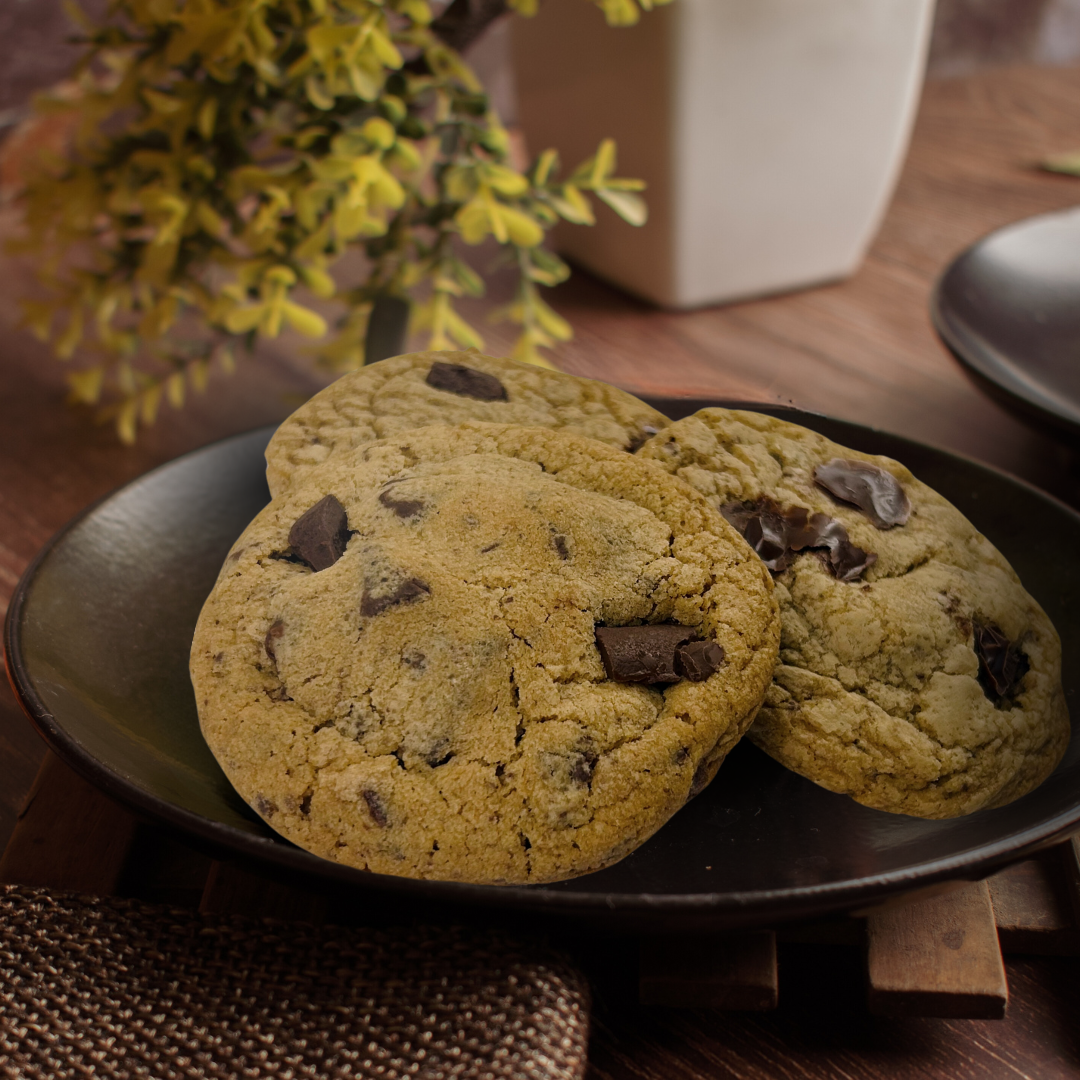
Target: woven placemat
(119,988)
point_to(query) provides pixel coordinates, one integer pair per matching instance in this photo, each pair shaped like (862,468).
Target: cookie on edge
(384,399)
(432,702)
(916,674)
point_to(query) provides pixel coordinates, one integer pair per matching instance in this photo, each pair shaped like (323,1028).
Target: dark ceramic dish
(97,640)
(1009,309)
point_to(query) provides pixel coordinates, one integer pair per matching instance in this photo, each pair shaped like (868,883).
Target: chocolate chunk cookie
(915,673)
(384,399)
(431,697)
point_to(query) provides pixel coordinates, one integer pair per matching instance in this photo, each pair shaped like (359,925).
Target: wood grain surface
(863,350)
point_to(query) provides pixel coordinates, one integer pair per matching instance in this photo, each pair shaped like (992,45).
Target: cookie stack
(498,624)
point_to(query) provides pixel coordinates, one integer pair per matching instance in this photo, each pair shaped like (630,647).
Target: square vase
(770,132)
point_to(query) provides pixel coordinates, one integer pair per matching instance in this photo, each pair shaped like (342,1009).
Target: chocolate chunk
(877,493)
(641,654)
(410,589)
(414,658)
(697,660)
(457,379)
(404,508)
(321,535)
(305,804)
(272,636)
(700,781)
(640,439)
(375,807)
(266,807)
(1002,663)
(582,768)
(844,559)
(778,533)
(438,753)
(560,546)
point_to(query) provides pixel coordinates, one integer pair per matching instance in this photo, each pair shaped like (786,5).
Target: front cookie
(381,400)
(412,663)
(915,674)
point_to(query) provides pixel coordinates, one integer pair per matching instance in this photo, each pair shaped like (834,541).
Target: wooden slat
(937,957)
(68,836)
(736,972)
(163,868)
(1032,908)
(235,891)
(1069,853)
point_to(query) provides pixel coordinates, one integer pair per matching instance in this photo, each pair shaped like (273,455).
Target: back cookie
(417,389)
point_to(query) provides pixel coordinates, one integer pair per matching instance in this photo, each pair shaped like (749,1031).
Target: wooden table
(863,350)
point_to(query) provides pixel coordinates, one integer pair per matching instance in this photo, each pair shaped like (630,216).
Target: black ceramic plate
(1009,308)
(98,635)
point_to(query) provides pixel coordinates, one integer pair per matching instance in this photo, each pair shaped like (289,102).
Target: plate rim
(758,907)
(972,354)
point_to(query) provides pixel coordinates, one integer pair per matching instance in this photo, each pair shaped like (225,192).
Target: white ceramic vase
(771,134)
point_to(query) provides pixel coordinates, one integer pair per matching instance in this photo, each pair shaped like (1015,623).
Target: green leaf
(572,205)
(628,206)
(126,420)
(379,132)
(242,319)
(318,281)
(207,117)
(316,93)
(546,268)
(304,320)
(521,229)
(86,385)
(1063,163)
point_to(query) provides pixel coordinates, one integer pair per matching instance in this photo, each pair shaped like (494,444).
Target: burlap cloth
(118,988)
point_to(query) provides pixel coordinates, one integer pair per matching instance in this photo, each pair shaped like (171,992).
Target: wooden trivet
(937,955)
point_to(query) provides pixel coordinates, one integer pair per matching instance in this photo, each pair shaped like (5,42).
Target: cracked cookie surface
(880,692)
(381,400)
(433,702)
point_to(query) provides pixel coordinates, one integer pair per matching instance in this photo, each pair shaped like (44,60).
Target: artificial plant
(228,152)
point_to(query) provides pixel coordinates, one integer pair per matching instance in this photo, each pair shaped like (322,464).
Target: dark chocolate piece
(321,535)
(641,654)
(375,807)
(465,381)
(640,439)
(700,781)
(582,769)
(778,533)
(266,807)
(1002,663)
(560,546)
(404,508)
(272,635)
(877,493)
(410,589)
(844,559)
(697,660)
